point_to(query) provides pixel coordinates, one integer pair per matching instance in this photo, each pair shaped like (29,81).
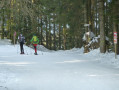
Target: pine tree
(102,31)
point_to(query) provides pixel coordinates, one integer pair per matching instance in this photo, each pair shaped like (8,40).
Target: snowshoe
(35,53)
(22,53)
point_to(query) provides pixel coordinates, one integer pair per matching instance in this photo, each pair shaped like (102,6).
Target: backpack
(21,39)
(35,38)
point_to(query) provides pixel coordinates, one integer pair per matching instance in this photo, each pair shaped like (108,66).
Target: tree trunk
(102,31)
(96,30)
(46,33)
(115,26)
(59,36)
(50,39)
(3,21)
(92,16)
(118,40)
(41,34)
(64,36)
(85,17)
(54,36)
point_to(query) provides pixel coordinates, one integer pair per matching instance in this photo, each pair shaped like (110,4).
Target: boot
(35,53)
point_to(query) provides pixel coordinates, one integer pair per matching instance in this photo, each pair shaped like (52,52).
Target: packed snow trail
(60,70)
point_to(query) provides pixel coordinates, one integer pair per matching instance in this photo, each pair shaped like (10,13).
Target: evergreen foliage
(59,24)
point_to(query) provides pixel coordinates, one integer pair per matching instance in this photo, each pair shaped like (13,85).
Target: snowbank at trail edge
(5,42)
(106,58)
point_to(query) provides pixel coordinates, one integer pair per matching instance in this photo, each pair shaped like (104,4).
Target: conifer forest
(63,24)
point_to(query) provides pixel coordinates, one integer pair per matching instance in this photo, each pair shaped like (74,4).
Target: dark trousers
(21,47)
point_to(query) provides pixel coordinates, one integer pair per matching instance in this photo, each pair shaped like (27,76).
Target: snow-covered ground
(57,70)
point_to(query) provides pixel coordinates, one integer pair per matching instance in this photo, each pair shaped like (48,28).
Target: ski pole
(42,52)
(17,49)
(30,48)
(26,48)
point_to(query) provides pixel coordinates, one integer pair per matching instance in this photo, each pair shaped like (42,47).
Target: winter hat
(20,34)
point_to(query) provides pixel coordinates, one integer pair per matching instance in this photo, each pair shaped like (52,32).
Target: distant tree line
(59,24)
